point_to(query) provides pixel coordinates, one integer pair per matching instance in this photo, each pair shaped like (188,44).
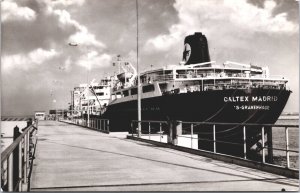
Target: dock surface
(73,158)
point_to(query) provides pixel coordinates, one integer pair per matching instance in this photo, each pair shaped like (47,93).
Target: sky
(39,68)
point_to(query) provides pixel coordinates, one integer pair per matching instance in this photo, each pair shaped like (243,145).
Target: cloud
(82,36)
(94,60)
(85,38)
(164,42)
(258,19)
(67,2)
(238,17)
(64,18)
(11,11)
(26,62)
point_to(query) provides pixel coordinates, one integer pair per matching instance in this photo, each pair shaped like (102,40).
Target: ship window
(133,91)
(100,94)
(98,87)
(126,92)
(163,87)
(148,88)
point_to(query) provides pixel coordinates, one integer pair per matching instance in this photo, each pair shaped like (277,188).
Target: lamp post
(138,72)
(88,86)
(54,101)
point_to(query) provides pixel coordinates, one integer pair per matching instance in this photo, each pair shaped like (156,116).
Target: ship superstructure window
(98,87)
(100,93)
(159,75)
(163,87)
(167,75)
(133,91)
(126,93)
(119,94)
(148,88)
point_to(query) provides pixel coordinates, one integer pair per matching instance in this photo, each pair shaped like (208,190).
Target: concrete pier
(72,158)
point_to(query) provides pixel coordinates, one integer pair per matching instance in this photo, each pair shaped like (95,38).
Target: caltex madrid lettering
(250,99)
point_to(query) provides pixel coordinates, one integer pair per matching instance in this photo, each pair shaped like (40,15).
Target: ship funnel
(195,49)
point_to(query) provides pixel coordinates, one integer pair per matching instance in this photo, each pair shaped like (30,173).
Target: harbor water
(7,132)
(279,142)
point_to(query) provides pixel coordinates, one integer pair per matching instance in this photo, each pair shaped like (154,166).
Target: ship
(200,90)
(91,99)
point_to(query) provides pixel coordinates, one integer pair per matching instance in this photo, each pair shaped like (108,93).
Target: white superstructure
(94,96)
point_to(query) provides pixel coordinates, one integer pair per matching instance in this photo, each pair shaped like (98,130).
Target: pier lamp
(72,44)
(137,69)
(54,101)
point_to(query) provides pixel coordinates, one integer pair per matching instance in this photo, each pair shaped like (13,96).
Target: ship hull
(262,106)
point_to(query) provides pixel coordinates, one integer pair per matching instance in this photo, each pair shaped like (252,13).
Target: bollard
(178,131)
(29,122)
(139,129)
(108,125)
(175,130)
(170,134)
(160,132)
(16,158)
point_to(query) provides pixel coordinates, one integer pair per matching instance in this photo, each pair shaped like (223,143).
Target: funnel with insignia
(195,49)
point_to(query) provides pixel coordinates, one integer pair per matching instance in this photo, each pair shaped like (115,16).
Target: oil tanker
(200,90)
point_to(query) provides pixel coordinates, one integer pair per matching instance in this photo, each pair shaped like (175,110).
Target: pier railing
(93,123)
(270,149)
(17,160)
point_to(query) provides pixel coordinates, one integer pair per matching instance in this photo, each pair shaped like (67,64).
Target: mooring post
(108,125)
(139,129)
(160,132)
(16,158)
(29,122)
(170,135)
(177,131)
(270,144)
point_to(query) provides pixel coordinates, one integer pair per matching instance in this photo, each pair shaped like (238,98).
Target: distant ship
(200,90)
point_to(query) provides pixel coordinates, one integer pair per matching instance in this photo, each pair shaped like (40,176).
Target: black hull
(221,106)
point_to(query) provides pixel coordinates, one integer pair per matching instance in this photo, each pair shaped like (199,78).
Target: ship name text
(251,99)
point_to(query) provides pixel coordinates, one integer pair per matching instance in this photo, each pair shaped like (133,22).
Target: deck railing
(17,160)
(190,134)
